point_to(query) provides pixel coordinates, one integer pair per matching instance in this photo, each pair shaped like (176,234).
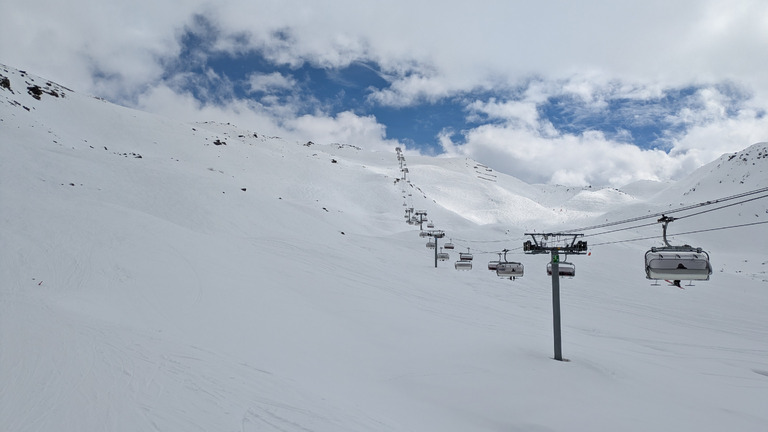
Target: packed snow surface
(167,276)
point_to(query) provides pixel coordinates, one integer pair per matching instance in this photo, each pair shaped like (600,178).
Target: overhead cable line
(621,229)
(722,207)
(677,218)
(689,207)
(683,233)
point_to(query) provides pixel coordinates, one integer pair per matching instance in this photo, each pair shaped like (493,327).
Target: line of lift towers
(669,263)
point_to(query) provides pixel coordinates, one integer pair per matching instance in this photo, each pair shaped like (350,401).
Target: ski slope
(229,280)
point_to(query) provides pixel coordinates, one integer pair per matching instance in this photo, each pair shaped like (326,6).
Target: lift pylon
(555,244)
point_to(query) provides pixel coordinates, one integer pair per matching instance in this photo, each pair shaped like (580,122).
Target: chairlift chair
(465,256)
(676,262)
(448,245)
(431,244)
(493,265)
(564,269)
(463,265)
(443,256)
(430,225)
(510,270)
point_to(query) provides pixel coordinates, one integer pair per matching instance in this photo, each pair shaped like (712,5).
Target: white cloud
(344,128)
(522,143)
(567,159)
(632,48)
(259,82)
(410,90)
(522,112)
(682,41)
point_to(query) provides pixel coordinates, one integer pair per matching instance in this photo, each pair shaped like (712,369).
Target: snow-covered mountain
(159,275)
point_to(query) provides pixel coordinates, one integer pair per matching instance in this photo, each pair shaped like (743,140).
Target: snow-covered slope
(158,275)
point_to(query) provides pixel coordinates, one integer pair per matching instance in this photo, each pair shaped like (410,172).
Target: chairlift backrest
(677,263)
(509,269)
(463,265)
(563,269)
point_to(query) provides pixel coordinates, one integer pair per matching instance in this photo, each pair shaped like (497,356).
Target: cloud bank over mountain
(580,84)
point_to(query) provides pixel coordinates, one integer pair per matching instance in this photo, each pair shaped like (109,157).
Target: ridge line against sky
(592,92)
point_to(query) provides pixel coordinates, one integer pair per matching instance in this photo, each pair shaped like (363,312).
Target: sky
(578,93)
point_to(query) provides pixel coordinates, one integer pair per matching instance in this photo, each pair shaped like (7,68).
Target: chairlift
(431,244)
(676,262)
(443,256)
(448,245)
(563,269)
(465,256)
(509,269)
(430,225)
(463,265)
(493,265)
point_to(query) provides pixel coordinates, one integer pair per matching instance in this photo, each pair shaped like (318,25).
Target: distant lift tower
(555,244)
(422,214)
(435,234)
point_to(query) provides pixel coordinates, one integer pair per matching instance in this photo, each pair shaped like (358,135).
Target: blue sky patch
(217,77)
